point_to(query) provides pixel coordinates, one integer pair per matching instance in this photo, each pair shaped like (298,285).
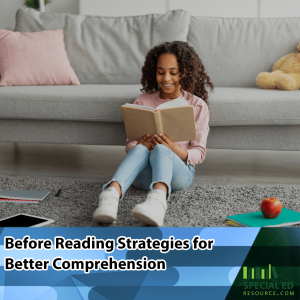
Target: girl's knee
(140,149)
(160,148)
(180,183)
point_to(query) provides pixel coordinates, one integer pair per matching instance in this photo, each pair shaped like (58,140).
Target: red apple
(271,207)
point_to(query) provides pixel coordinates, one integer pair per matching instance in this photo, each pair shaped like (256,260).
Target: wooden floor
(98,163)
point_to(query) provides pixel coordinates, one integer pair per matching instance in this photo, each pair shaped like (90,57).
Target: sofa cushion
(34,58)
(234,51)
(83,103)
(227,106)
(253,106)
(108,50)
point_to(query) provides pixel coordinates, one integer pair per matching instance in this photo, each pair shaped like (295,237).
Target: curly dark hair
(196,78)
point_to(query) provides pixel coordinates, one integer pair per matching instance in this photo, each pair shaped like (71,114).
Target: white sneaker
(108,206)
(152,211)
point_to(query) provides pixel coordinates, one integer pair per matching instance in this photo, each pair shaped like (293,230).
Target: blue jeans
(143,169)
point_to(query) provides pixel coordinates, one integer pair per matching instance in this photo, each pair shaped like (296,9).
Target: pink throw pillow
(37,58)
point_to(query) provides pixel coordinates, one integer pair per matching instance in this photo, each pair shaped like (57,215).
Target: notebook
(287,217)
(174,118)
(18,200)
(23,195)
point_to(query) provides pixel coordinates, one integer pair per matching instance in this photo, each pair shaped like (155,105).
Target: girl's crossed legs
(144,169)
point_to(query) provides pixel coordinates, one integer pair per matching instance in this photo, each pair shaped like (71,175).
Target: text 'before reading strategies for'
(92,243)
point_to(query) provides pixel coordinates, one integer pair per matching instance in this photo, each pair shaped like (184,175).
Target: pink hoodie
(196,149)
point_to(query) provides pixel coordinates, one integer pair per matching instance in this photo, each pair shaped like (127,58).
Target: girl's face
(168,76)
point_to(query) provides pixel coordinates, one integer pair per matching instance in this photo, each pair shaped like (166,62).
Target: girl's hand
(163,139)
(146,141)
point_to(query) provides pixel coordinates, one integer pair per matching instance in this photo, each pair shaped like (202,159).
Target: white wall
(8,9)
(122,7)
(63,6)
(280,8)
(213,8)
(218,8)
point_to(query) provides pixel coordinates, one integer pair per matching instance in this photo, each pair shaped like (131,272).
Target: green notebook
(287,217)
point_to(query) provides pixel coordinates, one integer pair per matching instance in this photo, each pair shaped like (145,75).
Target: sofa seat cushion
(83,103)
(253,106)
(227,106)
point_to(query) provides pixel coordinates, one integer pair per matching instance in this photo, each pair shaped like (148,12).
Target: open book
(174,118)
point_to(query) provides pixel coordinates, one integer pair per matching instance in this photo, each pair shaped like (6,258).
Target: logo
(266,281)
(259,273)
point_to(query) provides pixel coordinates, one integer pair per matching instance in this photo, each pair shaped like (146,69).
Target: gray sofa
(107,54)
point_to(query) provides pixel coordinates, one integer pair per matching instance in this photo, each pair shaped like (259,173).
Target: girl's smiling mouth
(168,85)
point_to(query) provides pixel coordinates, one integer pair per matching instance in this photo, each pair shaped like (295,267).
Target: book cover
(177,122)
(287,217)
(24,194)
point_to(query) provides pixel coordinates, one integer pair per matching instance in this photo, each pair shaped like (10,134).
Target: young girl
(156,163)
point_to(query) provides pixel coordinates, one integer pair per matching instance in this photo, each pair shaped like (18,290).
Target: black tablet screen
(21,221)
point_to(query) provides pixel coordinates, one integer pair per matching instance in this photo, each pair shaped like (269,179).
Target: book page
(174,103)
(139,106)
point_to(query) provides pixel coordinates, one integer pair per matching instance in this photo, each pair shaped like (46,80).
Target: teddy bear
(285,73)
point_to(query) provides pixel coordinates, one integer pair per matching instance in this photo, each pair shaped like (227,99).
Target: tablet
(25,220)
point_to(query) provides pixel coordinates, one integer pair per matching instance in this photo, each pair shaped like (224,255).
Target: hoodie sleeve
(197,149)
(130,144)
